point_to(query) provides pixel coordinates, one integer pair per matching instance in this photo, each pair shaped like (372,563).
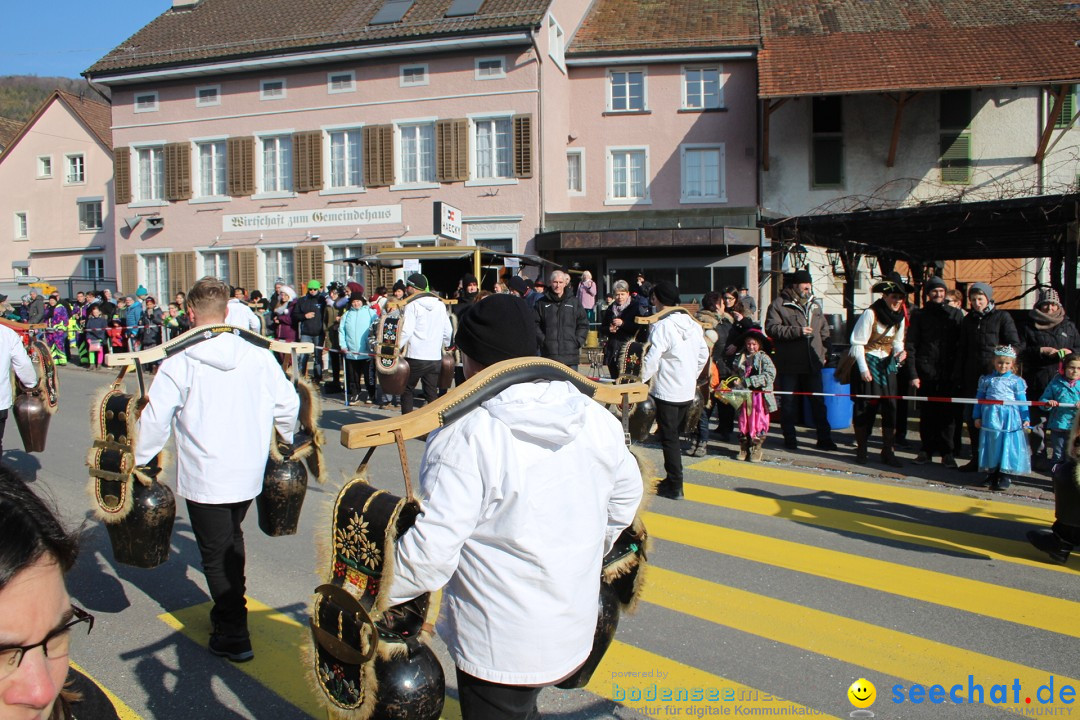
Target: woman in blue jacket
(354,333)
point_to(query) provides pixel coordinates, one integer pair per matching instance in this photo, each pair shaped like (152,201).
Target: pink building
(57,175)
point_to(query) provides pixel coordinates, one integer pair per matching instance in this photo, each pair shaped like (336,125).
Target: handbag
(842,374)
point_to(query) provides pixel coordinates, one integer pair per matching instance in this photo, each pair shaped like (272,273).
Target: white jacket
(522,498)
(13,356)
(239,315)
(425,329)
(225,397)
(677,354)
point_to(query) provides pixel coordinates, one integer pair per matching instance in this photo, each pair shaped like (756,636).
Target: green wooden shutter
(956,158)
(1068,108)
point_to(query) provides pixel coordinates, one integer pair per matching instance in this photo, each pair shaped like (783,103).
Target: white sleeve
(286,402)
(253,321)
(406,325)
(20,363)
(658,344)
(448,331)
(898,339)
(155,423)
(625,498)
(703,353)
(860,335)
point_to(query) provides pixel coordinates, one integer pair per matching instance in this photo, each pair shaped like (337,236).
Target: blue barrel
(838,409)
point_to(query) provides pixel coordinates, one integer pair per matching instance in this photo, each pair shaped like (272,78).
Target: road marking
(122,709)
(878,492)
(1018,606)
(673,675)
(852,641)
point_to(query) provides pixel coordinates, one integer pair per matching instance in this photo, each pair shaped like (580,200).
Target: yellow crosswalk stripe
(862,644)
(879,492)
(122,709)
(984,546)
(652,674)
(1004,603)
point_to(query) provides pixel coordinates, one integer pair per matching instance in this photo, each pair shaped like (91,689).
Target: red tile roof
(228,29)
(96,116)
(638,25)
(851,46)
(8,130)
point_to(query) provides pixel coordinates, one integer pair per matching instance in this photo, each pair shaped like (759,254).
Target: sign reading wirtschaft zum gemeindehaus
(375,215)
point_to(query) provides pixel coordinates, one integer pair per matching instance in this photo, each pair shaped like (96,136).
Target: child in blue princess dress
(1003,448)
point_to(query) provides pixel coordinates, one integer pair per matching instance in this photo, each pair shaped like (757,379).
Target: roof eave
(918,88)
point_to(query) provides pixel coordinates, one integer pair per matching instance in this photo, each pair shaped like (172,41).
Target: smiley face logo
(862,693)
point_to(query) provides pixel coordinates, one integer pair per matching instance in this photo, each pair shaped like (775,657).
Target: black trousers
(427,372)
(670,418)
(3,424)
(484,700)
(802,382)
(866,410)
(937,423)
(356,374)
(220,537)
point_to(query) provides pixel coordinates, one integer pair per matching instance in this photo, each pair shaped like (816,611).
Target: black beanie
(417,281)
(935,282)
(468,279)
(667,293)
(498,327)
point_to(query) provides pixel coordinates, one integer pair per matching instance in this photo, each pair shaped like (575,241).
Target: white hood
(224,352)
(554,418)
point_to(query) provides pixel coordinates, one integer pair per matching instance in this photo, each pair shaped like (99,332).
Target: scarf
(617,309)
(885,315)
(1047,321)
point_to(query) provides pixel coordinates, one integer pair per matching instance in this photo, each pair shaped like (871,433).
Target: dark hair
(256,295)
(730,290)
(29,530)
(1071,357)
(710,301)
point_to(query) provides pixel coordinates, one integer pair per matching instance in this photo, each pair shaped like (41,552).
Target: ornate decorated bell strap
(624,565)
(42,358)
(631,360)
(386,349)
(112,455)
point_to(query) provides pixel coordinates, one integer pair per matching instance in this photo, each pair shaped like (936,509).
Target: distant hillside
(20,95)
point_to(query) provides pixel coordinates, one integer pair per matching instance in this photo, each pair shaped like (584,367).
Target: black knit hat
(417,281)
(398,286)
(667,293)
(356,296)
(468,279)
(498,327)
(518,285)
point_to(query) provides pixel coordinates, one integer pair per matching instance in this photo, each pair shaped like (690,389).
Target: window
(703,174)
(22,229)
(150,171)
(277,164)
(207,96)
(493,148)
(76,169)
(1068,108)
(556,43)
(279,264)
(341,271)
(626,90)
(146,102)
(955,118)
(44,166)
(211,169)
(827,163)
(417,153)
(346,165)
(216,264)
(413,75)
(575,172)
(89,215)
(341,81)
(272,90)
(157,275)
(701,88)
(20,271)
(94,268)
(627,172)
(490,68)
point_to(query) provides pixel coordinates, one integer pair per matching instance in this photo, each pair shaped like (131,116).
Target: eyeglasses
(55,645)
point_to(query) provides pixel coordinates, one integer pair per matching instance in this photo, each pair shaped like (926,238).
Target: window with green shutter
(1068,108)
(956,158)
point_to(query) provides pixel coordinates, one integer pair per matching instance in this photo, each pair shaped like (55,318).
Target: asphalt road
(771,589)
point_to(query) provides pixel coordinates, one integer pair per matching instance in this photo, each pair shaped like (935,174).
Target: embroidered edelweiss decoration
(352,535)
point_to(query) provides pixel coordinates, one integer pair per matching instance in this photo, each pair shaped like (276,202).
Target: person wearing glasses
(38,623)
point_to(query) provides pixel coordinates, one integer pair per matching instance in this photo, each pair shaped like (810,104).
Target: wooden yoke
(197,335)
(24,327)
(657,317)
(400,304)
(482,386)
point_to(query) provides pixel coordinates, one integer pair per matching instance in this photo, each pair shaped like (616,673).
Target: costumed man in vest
(12,357)
(219,462)
(496,519)
(425,331)
(677,354)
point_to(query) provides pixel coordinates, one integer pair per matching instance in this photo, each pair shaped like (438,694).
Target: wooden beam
(1051,120)
(899,102)
(769,109)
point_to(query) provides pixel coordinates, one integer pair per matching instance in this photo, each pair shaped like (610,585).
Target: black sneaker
(1049,542)
(235,649)
(791,444)
(970,467)
(1004,482)
(667,489)
(826,445)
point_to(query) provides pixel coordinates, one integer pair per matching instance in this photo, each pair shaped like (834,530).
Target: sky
(62,38)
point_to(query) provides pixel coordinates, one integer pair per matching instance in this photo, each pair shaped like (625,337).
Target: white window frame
(147,107)
(342,272)
(261,192)
(580,154)
(331,90)
(22,225)
(202,102)
(399,155)
(218,259)
(425,80)
(496,76)
(328,170)
(719,87)
(280,251)
(645,198)
(160,283)
(83,201)
(273,95)
(721,181)
(42,175)
(136,176)
(557,43)
(97,272)
(644,89)
(68,159)
(197,195)
(474,175)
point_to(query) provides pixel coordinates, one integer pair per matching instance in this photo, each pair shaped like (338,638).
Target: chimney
(184,4)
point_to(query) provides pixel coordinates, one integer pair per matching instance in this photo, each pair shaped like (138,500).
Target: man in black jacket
(931,347)
(307,316)
(983,329)
(562,322)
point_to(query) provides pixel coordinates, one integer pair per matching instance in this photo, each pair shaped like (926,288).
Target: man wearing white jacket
(240,315)
(517,543)
(677,355)
(12,357)
(425,331)
(219,461)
